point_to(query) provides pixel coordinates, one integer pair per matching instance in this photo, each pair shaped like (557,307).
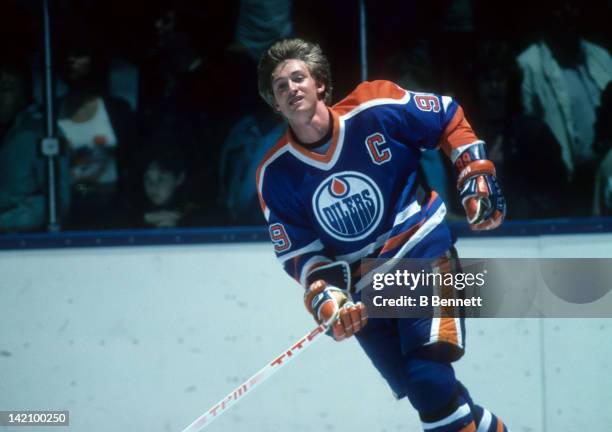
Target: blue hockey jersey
(359,199)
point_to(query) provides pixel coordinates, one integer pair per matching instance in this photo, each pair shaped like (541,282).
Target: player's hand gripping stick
(330,306)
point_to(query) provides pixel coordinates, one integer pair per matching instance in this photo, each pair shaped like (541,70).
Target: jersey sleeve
(434,121)
(422,120)
(296,245)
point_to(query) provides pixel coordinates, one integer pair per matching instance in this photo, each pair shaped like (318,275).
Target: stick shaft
(266,372)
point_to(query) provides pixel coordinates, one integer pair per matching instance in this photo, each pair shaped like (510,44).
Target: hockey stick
(266,372)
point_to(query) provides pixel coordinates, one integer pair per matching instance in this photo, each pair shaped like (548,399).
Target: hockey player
(341,185)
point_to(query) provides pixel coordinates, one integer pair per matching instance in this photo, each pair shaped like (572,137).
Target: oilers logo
(348,205)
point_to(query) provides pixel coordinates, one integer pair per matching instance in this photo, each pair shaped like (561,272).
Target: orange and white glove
(479,190)
(330,306)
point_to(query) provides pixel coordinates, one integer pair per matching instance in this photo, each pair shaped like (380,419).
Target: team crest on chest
(348,205)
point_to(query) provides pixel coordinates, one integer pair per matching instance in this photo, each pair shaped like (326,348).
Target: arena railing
(247,234)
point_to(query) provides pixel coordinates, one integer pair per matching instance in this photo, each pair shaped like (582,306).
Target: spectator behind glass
(100,135)
(246,143)
(517,144)
(563,78)
(177,95)
(173,64)
(22,169)
(260,23)
(78,34)
(167,201)
(163,180)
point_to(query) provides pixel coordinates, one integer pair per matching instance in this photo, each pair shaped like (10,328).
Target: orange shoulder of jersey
(268,157)
(457,133)
(367,91)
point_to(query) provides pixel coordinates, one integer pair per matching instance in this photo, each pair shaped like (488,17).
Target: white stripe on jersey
(460,412)
(365,251)
(312,247)
(434,331)
(411,210)
(485,421)
(308,265)
(446,101)
(457,151)
(425,229)
(419,235)
(375,102)
(459,332)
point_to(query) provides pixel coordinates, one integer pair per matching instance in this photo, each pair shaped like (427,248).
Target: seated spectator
(163,180)
(100,134)
(166,200)
(517,143)
(83,53)
(563,78)
(23,182)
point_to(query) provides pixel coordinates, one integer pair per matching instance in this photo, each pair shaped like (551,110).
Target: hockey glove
(330,306)
(479,190)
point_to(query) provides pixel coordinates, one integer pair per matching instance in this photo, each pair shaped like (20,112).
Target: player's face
(296,93)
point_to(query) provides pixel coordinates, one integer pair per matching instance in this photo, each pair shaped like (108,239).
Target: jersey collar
(328,159)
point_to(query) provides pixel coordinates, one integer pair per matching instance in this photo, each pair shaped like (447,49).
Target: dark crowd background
(160,123)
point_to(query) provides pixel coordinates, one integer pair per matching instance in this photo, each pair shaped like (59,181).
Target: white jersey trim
(485,421)
(312,247)
(375,102)
(459,413)
(434,331)
(366,250)
(457,151)
(425,229)
(459,332)
(409,211)
(446,101)
(308,265)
